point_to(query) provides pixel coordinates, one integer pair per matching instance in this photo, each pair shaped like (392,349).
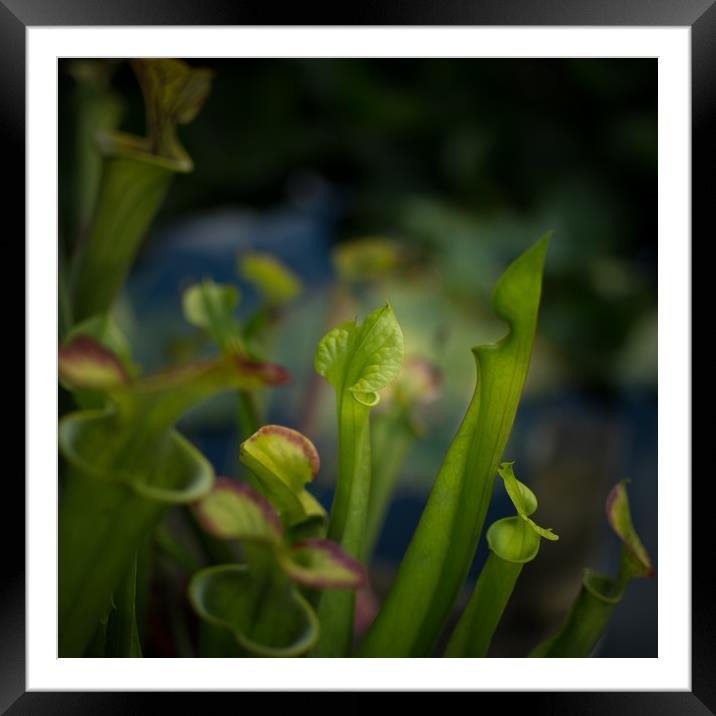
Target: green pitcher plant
(285,585)
(129,465)
(135,177)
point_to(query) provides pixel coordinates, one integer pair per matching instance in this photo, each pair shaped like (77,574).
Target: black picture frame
(699,15)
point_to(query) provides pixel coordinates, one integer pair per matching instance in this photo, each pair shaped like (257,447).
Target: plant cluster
(276,574)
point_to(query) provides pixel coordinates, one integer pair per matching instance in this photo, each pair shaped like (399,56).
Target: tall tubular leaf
(441,550)
(599,594)
(128,466)
(136,175)
(358,360)
(513,542)
(97,108)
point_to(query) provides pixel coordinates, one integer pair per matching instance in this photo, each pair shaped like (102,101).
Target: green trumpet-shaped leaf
(235,511)
(102,522)
(210,306)
(141,410)
(272,279)
(599,594)
(513,541)
(128,464)
(136,175)
(358,360)
(259,606)
(283,461)
(442,548)
(322,564)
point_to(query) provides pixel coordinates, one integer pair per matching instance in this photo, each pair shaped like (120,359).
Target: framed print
(318,296)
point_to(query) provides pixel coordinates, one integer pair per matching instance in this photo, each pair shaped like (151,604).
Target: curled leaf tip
(288,445)
(85,363)
(322,564)
(523,499)
(284,461)
(619,517)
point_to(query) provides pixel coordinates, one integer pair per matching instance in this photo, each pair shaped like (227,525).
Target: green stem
(392,439)
(348,521)
(473,633)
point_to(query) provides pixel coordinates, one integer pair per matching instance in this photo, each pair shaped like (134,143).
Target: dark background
(471,161)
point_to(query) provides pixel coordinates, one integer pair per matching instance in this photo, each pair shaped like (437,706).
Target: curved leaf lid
(174,471)
(523,499)
(284,461)
(634,561)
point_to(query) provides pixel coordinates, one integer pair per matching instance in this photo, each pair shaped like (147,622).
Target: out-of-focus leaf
(174,92)
(367,258)
(235,511)
(443,545)
(85,363)
(210,306)
(104,329)
(273,280)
